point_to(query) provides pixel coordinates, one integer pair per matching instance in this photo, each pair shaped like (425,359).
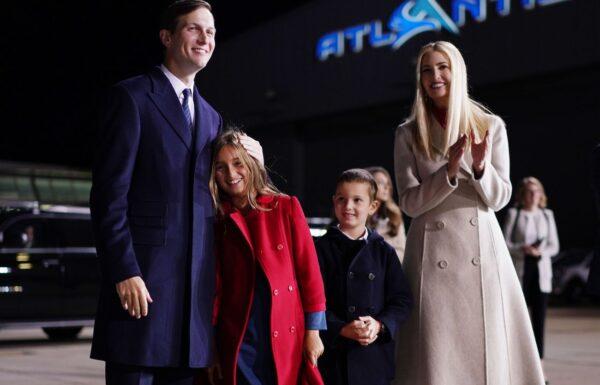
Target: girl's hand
(313,346)
(478,151)
(455,153)
(215,375)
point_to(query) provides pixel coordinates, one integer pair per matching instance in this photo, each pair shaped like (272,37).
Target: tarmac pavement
(27,357)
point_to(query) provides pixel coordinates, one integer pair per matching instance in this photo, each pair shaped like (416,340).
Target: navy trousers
(117,374)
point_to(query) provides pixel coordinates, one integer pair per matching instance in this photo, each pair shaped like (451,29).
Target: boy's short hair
(170,17)
(359,175)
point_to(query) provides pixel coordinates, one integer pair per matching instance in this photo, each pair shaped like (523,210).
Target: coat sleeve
(417,195)
(398,298)
(551,247)
(334,323)
(494,185)
(117,145)
(513,247)
(305,260)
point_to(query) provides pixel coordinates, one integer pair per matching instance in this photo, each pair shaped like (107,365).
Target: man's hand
(134,296)
(253,148)
(313,346)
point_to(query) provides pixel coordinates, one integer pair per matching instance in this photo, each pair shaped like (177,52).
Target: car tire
(574,292)
(62,334)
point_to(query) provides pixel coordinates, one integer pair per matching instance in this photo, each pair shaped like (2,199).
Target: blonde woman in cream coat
(470,324)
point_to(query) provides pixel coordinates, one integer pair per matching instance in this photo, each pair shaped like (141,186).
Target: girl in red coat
(270,301)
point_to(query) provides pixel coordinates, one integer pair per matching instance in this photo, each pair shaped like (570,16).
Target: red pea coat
(286,253)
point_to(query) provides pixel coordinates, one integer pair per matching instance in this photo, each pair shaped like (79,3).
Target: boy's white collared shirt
(361,238)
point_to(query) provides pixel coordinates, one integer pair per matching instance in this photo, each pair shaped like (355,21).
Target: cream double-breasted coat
(470,324)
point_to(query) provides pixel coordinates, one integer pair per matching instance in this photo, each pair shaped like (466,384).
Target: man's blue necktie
(186,107)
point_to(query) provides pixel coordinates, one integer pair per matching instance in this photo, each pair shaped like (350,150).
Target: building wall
(536,68)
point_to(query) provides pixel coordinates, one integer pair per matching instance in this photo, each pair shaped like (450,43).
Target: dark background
(538,69)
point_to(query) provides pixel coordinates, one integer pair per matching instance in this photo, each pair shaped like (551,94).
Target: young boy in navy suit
(368,296)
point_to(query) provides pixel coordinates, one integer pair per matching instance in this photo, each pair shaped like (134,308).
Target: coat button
(476,261)
(351,309)
(275,334)
(473,221)
(280,247)
(351,275)
(290,288)
(440,225)
(371,276)
(292,329)
(443,264)
(275,292)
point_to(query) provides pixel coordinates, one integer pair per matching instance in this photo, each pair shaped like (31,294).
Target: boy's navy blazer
(374,285)
(152,215)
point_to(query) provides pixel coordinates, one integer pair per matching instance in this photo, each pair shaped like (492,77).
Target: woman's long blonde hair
(258,182)
(464,114)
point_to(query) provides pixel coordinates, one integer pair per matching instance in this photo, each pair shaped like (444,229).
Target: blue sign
(411,18)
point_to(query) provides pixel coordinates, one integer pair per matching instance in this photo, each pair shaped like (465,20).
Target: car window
(30,233)
(74,232)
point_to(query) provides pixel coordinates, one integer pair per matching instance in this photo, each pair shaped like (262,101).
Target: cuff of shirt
(315,321)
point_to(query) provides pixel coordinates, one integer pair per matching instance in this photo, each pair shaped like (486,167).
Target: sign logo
(411,18)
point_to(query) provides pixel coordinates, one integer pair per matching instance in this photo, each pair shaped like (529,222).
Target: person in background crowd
(532,239)
(367,294)
(470,323)
(387,220)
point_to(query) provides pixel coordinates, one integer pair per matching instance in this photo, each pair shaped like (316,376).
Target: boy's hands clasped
(364,330)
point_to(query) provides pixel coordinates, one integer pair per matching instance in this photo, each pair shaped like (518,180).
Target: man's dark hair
(170,17)
(359,175)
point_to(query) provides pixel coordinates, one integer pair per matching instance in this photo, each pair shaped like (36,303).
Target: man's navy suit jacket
(152,215)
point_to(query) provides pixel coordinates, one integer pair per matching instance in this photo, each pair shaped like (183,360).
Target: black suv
(49,274)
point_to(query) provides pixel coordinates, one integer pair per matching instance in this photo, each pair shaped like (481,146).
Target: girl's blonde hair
(520,196)
(257,182)
(464,114)
(388,209)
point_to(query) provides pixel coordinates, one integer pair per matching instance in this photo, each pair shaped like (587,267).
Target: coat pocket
(151,236)
(147,223)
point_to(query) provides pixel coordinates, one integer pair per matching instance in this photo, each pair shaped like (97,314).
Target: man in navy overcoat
(153,215)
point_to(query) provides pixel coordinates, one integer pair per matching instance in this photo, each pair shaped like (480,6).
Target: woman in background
(531,237)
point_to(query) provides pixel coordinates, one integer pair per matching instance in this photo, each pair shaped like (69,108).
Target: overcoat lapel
(239,221)
(164,98)
(201,123)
